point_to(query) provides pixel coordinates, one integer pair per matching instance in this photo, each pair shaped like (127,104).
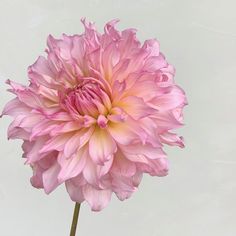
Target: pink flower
(96,114)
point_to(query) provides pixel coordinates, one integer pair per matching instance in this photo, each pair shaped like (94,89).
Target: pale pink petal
(122,166)
(17,133)
(110,57)
(101,146)
(152,46)
(79,139)
(103,170)
(89,172)
(50,178)
(43,72)
(123,186)
(155,63)
(26,95)
(147,150)
(71,167)
(136,107)
(56,143)
(34,148)
(127,132)
(97,199)
(169,98)
(155,167)
(172,139)
(129,43)
(74,188)
(166,121)
(15,108)
(136,82)
(43,127)
(37,180)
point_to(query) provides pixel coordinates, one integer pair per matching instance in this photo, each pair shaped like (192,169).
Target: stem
(75,219)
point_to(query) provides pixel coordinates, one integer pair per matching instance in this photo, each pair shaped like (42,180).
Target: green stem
(75,219)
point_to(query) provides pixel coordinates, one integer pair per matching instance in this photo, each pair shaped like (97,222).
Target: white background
(198,197)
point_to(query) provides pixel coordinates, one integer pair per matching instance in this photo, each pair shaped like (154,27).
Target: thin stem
(75,219)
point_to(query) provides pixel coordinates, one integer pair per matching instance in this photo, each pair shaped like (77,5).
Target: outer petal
(36,180)
(43,73)
(122,166)
(14,108)
(165,121)
(136,107)
(97,199)
(155,167)
(172,139)
(126,190)
(34,147)
(56,143)
(74,188)
(169,98)
(127,132)
(147,150)
(152,46)
(50,180)
(26,95)
(155,63)
(129,43)
(71,167)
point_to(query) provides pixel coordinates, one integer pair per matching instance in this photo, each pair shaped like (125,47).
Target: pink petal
(136,107)
(71,167)
(166,121)
(56,143)
(155,63)
(75,190)
(101,146)
(129,43)
(152,46)
(43,127)
(26,95)
(14,108)
(97,199)
(103,170)
(123,186)
(172,139)
(79,139)
(141,85)
(34,148)
(122,166)
(127,132)
(42,72)
(50,180)
(126,188)
(147,150)
(37,180)
(90,173)
(169,98)
(155,167)
(110,57)
(17,133)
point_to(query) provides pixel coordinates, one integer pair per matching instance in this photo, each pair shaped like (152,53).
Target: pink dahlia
(96,113)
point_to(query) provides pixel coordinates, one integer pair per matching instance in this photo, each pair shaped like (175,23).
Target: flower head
(95,116)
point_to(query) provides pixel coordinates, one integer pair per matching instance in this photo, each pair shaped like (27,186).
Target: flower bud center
(84,99)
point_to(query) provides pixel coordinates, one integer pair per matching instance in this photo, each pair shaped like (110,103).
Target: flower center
(87,98)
